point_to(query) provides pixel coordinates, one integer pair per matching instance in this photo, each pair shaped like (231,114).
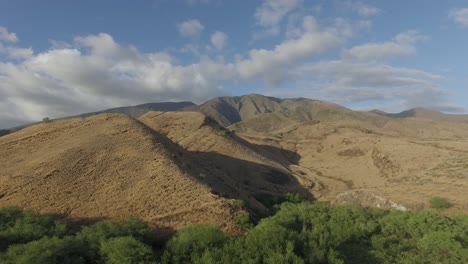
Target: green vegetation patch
(439,203)
(300,232)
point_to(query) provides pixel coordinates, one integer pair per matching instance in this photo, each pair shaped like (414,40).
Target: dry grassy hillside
(176,168)
(262,171)
(109,166)
(407,161)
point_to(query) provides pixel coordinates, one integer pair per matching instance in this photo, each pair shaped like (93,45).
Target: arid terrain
(196,164)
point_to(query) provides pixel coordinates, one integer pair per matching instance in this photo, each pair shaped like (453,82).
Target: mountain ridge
(229,110)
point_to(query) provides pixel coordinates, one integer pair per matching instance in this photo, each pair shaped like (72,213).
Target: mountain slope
(425,114)
(262,113)
(229,110)
(110,166)
(138,110)
(260,171)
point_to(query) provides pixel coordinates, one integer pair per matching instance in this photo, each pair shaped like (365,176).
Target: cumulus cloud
(362,9)
(7,36)
(190,28)
(272,65)
(460,16)
(15,52)
(219,40)
(403,44)
(271,12)
(97,73)
(352,81)
(366,10)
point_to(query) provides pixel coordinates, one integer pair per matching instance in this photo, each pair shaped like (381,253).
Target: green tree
(191,243)
(49,251)
(126,250)
(18,226)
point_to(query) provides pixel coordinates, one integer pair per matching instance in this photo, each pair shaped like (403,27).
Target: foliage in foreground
(297,233)
(439,203)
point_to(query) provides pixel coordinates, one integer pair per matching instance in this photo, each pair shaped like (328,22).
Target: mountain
(229,110)
(425,114)
(138,110)
(263,113)
(111,166)
(169,168)
(132,111)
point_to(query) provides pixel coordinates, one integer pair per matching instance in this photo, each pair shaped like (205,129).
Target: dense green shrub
(190,243)
(439,203)
(243,220)
(292,198)
(298,233)
(320,233)
(49,251)
(126,250)
(18,226)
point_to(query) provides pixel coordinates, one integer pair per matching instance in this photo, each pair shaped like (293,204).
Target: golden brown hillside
(406,161)
(262,171)
(108,166)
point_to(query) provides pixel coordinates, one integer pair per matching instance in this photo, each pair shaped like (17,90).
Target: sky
(65,57)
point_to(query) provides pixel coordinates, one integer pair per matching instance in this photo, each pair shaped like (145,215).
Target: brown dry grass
(176,168)
(107,166)
(407,161)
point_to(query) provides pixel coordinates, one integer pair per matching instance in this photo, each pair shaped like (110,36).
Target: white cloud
(15,52)
(271,12)
(272,65)
(401,45)
(98,73)
(10,50)
(190,28)
(366,10)
(347,82)
(219,39)
(362,9)
(95,72)
(7,36)
(460,16)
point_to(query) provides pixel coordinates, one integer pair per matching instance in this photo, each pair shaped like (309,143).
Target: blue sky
(59,58)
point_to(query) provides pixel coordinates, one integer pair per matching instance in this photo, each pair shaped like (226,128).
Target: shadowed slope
(107,166)
(248,167)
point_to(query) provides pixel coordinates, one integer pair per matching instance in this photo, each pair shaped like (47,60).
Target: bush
(108,229)
(298,233)
(49,251)
(190,243)
(46,120)
(18,226)
(242,204)
(126,250)
(243,220)
(292,198)
(439,203)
